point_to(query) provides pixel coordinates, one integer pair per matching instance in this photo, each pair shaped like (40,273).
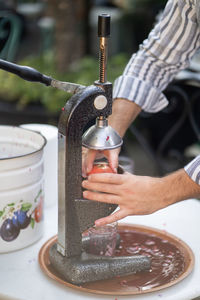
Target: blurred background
(59,38)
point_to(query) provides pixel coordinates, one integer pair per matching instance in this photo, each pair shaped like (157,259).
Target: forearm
(178,186)
(124,113)
(168,49)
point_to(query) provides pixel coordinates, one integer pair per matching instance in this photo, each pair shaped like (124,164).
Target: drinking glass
(103,239)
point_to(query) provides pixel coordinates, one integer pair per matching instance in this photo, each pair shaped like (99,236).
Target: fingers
(106,178)
(89,155)
(101,197)
(118,215)
(87,161)
(112,156)
(84,155)
(101,187)
(90,160)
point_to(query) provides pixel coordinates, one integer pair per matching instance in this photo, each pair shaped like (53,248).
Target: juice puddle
(167,262)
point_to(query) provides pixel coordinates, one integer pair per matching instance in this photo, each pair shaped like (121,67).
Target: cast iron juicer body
(76,214)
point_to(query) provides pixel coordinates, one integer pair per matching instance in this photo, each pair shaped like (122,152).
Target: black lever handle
(104,25)
(25,72)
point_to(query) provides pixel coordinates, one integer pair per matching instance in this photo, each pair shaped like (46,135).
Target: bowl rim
(29,153)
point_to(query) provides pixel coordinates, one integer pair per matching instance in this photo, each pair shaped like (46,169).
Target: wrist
(124,113)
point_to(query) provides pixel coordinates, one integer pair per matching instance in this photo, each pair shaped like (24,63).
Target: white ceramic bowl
(21,187)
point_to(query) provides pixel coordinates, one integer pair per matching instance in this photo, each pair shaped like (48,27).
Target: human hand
(135,195)
(89,155)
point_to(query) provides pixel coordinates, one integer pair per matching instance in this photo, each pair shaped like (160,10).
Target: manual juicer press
(76,214)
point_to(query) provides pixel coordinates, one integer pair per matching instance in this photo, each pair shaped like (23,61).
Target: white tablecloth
(21,277)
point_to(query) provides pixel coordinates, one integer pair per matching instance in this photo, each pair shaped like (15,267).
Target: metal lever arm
(31,74)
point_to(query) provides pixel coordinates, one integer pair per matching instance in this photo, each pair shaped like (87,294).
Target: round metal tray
(113,286)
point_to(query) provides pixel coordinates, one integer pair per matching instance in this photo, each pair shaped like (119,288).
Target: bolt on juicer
(76,214)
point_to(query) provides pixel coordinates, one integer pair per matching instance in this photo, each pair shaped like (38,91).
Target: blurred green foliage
(13,88)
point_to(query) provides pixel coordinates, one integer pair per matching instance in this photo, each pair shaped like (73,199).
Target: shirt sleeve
(193,169)
(168,49)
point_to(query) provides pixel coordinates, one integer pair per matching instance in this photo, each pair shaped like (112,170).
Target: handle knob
(104,25)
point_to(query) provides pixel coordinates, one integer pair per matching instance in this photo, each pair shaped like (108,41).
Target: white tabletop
(21,277)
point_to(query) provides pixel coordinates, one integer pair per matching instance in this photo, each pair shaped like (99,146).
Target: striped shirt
(167,50)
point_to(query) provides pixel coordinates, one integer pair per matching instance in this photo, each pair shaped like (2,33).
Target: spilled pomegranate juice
(167,262)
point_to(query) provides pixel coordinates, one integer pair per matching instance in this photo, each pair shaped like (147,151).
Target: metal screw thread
(103,60)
